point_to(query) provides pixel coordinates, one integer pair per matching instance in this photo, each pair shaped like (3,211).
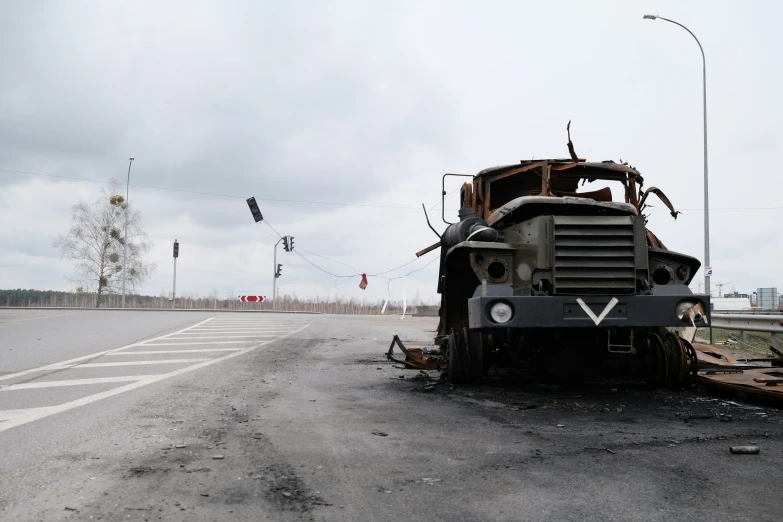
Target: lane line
(218,337)
(34,318)
(238,332)
(243,327)
(16,418)
(74,362)
(152,352)
(193,343)
(237,325)
(259,331)
(71,382)
(141,363)
(245,321)
(234,330)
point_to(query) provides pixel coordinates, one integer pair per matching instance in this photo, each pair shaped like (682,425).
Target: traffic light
(176,249)
(285,244)
(290,243)
(251,202)
(279,270)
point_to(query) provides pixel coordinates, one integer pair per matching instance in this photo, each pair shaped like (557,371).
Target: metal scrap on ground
(414,357)
(716,369)
(719,370)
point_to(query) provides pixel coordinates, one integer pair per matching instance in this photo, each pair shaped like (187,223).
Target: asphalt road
(210,416)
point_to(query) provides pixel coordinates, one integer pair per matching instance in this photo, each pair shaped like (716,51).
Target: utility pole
(174,290)
(125,236)
(707,266)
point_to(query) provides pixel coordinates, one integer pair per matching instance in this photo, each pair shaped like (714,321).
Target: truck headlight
(501,312)
(690,312)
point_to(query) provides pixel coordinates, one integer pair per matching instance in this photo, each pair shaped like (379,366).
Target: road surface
(110,415)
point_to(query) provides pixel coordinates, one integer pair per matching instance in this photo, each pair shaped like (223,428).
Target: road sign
(707,270)
(252,298)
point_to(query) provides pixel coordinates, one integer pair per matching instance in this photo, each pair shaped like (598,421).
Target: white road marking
(235,332)
(153,352)
(193,343)
(241,328)
(14,418)
(196,333)
(34,318)
(257,321)
(141,363)
(71,382)
(74,362)
(240,325)
(190,338)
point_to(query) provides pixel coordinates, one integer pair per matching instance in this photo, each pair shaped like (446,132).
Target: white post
(125,235)
(174,290)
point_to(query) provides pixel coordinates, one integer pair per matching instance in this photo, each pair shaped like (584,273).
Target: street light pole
(125,236)
(706,170)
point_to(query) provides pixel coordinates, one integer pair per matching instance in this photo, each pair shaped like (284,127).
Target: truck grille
(594,255)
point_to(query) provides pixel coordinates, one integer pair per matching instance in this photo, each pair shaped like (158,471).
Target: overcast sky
(369,103)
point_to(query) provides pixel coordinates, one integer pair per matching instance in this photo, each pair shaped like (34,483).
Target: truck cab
(552,265)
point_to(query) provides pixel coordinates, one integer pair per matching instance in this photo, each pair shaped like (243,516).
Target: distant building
(737,295)
(767,298)
(730,304)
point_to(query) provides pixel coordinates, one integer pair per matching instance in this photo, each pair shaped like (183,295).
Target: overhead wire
(281,200)
(273,228)
(264,231)
(328,259)
(356,273)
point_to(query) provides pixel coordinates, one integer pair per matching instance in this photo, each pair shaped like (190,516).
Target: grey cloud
(371,103)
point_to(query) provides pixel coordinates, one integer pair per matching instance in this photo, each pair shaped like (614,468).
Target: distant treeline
(44,298)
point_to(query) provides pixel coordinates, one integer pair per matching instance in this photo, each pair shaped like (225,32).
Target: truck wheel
(674,362)
(465,357)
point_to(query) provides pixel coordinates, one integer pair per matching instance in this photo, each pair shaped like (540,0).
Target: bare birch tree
(95,243)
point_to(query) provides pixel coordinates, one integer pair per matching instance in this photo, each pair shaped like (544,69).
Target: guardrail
(210,310)
(769,323)
(747,312)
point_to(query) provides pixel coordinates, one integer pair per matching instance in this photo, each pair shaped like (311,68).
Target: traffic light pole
(174,290)
(274,277)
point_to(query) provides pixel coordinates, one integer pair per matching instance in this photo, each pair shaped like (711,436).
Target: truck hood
(526,207)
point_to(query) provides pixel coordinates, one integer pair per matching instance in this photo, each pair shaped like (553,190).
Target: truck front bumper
(572,311)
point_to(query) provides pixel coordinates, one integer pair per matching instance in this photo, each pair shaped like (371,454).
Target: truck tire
(465,357)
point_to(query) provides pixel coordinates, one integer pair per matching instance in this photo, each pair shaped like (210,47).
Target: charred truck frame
(540,276)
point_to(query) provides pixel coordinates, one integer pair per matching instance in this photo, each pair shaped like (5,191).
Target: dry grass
(757,345)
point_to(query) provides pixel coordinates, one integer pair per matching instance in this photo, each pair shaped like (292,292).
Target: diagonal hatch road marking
(13,418)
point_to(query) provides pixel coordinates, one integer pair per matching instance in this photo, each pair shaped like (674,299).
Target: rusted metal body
(541,272)
(719,370)
(554,278)
(414,357)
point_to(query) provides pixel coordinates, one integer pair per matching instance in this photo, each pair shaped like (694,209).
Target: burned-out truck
(551,269)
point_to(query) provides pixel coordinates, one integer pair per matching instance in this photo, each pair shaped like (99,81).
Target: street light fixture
(706,170)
